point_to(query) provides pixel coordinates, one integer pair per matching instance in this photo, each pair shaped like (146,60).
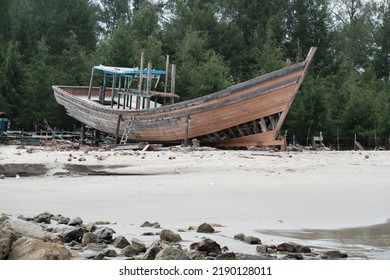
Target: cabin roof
(126,71)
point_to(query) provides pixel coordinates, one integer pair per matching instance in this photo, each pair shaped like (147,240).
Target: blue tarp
(126,71)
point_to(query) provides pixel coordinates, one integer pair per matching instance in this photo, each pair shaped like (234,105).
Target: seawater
(369,242)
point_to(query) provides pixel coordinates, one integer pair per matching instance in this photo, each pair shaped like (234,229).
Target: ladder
(126,133)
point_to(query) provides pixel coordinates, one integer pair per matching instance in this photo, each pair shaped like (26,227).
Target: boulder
(169,236)
(153,225)
(136,247)
(294,256)
(227,256)
(152,251)
(205,228)
(88,238)
(91,227)
(120,242)
(70,233)
(61,219)
(240,236)
(110,253)
(5,248)
(262,249)
(252,240)
(171,253)
(195,255)
(105,234)
(208,246)
(335,255)
(27,248)
(77,221)
(96,247)
(286,247)
(43,218)
(19,228)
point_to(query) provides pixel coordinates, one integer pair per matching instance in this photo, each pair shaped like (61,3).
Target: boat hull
(248,114)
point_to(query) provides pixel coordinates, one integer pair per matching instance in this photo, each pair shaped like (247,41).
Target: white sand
(243,191)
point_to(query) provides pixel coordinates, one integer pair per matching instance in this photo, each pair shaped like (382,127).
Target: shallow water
(371,242)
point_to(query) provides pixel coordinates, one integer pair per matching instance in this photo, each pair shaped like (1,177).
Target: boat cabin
(130,88)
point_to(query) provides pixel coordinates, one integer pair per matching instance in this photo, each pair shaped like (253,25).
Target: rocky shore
(55,237)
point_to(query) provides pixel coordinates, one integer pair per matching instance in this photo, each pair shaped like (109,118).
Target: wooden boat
(250,113)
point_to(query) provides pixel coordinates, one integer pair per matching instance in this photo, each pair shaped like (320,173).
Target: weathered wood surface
(247,114)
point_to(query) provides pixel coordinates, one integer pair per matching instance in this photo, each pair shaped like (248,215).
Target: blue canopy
(126,71)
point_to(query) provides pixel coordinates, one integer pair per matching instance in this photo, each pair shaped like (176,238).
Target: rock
(97,247)
(88,238)
(252,240)
(227,256)
(335,255)
(207,245)
(169,236)
(295,256)
(3,218)
(2,176)
(240,236)
(19,228)
(302,249)
(153,225)
(262,249)
(91,227)
(152,251)
(70,233)
(195,255)
(77,221)
(120,242)
(136,247)
(5,247)
(61,219)
(131,250)
(98,257)
(43,218)
(27,248)
(137,244)
(171,253)
(105,234)
(252,257)
(286,247)
(205,228)
(110,253)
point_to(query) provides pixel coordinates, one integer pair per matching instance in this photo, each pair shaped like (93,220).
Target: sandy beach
(328,198)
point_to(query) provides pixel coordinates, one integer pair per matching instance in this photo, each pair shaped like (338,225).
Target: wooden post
(118,124)
(148,85)
(166,74)
(186,131)
(97,136)
(173,84)
(138,100)
(82,133)
(90,83)
(113,90)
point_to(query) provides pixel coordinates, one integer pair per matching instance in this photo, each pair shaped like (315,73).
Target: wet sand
(323,199)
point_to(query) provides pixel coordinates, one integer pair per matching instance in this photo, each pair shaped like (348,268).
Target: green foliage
(214,44)
(203,71)
(11,75)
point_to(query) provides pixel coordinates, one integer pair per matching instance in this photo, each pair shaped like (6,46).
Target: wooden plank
(145,148)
